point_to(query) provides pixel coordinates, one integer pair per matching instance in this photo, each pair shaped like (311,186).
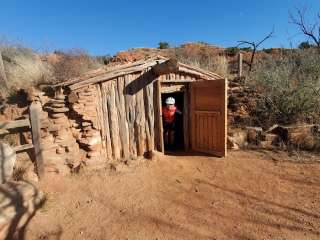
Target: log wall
(122,114)
(123,111)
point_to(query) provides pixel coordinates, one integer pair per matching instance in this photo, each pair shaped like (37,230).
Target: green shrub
(232,51)
(246,49)
(164,45)
(267,50)
(305,45)
(289,88)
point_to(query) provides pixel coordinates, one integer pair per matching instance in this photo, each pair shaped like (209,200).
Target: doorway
(179,142)
(202,127)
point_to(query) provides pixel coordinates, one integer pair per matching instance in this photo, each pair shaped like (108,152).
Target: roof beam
(169,66)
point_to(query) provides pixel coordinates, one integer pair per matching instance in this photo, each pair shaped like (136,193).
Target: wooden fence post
(35,111)
(240,65)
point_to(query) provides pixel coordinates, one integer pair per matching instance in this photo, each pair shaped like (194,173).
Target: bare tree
(255,46)
(311,30)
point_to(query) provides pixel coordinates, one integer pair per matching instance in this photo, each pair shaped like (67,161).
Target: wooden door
(208,105)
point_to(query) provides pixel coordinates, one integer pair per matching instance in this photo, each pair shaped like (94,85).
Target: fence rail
(32,122)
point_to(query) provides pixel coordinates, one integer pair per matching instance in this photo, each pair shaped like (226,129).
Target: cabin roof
(160,65)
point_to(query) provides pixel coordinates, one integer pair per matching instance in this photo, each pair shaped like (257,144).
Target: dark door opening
(178,128)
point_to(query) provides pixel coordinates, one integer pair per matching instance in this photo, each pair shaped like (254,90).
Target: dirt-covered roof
(107,73)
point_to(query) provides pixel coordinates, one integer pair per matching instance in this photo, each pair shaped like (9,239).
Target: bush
(103,60)
(232,51)
(23,67)
(72,64)
(202,59)
(267,50)
(164,45)
(305,45)
(289,87)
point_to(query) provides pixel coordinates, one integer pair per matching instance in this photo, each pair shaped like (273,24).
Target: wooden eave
(159,65)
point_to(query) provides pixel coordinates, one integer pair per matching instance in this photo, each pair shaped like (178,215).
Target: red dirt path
(244,196)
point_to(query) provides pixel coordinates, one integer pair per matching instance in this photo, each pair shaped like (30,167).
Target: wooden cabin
(120,107)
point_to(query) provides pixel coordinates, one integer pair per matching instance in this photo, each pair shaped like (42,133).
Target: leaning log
(169,66)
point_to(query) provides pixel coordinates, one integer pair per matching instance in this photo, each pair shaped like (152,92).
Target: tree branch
(304,27)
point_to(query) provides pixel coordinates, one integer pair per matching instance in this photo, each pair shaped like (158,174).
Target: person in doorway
(169,122)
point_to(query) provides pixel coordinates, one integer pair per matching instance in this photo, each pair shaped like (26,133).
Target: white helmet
(170,101)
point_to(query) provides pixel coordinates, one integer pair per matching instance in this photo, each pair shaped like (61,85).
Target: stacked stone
(64,153)
(84,104)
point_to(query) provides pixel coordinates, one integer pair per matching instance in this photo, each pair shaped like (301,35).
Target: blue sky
(106,27)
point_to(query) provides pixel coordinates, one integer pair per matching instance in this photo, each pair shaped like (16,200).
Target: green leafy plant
(289,88)
(164,45)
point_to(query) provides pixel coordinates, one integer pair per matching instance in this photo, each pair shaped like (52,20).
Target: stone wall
(60,149)
(86,124)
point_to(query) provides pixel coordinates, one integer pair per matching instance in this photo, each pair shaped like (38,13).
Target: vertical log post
(186,119)
(240,65)
(159,120)
(34,111)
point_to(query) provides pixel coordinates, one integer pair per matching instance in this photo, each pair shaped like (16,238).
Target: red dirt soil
(247,195)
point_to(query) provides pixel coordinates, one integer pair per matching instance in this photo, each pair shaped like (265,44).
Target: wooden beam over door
(169,66)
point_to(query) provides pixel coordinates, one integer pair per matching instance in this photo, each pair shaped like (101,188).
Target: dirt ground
(247,195)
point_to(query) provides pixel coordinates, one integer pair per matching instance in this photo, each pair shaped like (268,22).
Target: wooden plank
(99,106)
(130,101)
(23,147)
(158,104)
(149,113)
(112,75)
(177,80)
(208,112)
(105,111)
(106,70)
(35,111)
(140,122)
(225,115)
(192,118)
(240,64)
(123,124)
(15,124)
(113,121)
(174,88)
(209,109)
(186,120)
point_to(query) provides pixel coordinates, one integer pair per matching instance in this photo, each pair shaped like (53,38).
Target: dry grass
(199,57)
(72,64)
(23,67)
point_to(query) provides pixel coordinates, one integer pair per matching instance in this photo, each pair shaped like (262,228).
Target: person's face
(170,106)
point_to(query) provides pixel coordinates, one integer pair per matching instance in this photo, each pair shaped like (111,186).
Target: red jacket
(168,114)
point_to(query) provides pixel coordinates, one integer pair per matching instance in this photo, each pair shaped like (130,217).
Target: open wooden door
(208,105)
